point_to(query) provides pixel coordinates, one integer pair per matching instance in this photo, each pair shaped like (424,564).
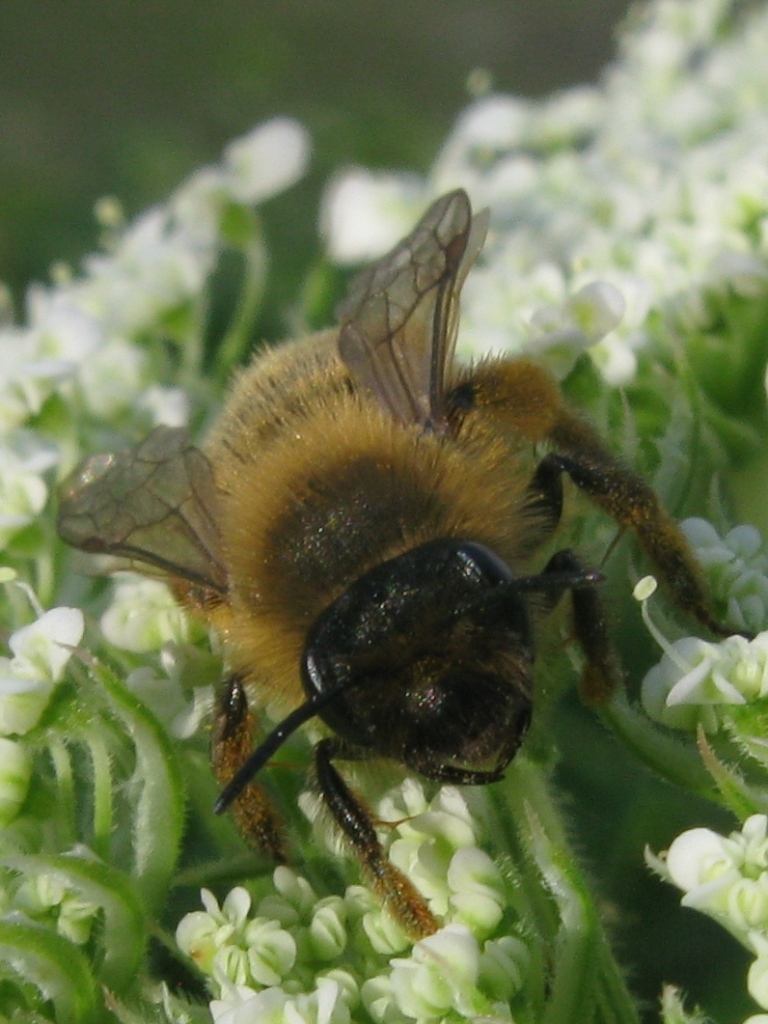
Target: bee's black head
(430,654)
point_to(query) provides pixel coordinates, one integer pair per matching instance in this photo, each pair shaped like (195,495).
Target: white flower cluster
(298,958)
(736,567)
(40,652)
(726,877)
(651,190)
(84,342)
(707,684)
(698,682)
(48,899)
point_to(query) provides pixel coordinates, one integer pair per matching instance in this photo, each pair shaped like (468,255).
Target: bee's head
(430,655)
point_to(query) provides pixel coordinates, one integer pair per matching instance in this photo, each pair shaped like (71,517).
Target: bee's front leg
(231,746)
(602,669)
(399,895)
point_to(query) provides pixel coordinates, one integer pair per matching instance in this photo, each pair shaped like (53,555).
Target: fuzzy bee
(361,530)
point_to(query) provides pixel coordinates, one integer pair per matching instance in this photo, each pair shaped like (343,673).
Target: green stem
(159,790)
(191,343)
(102,796)
(676,761)
(65,791)
(238,338)
(45,576)
(586,984)
(232,871)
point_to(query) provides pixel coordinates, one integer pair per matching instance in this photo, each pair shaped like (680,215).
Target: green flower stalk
(628,250)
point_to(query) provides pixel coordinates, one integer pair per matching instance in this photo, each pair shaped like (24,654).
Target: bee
(360,530)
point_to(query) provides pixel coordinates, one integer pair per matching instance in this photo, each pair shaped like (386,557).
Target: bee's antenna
(270,744)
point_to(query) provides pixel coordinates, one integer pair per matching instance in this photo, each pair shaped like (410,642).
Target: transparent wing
(154,504)
(400,318)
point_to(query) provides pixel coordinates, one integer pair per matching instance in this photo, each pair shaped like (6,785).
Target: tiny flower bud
(327,929)
(271,951)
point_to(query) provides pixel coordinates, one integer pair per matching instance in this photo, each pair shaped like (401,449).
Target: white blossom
(291,934)
(24,459)
(41,652)
(697,680)
(726,877)
(364,214)
(143,615)
(269,159)
(658,177)
(736,567)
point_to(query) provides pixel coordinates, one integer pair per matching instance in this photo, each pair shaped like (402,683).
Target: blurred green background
(126,97)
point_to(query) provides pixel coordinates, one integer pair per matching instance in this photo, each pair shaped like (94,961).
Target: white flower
(697,680)
(40,655)
(440,976)
(180,711)
(198,203)
(736,566)
(293,900)
(364,214)
(106,392)
(44,895)
(143,616)
(165,405)
(326,1005)
(60,328)
(292,935)
(478,899)
(504,966)
(202,934)
(269,159)
(725,877)
(271,951)
(23,491)
(565,330)
(27,378)
(327,930)
(490,126)
(156,267)
(243,1006)
(658,176)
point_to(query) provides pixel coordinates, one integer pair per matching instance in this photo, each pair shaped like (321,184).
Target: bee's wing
(153,504)
(400,318)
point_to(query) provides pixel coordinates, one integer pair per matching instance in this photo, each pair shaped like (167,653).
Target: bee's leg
(544,496)
(602,671)
(523,398)
(399,896)
(231,745)
(634,505)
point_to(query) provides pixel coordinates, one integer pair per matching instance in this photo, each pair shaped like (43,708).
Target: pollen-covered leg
(524,399)
(399,896)
(231,746)
(635,506)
